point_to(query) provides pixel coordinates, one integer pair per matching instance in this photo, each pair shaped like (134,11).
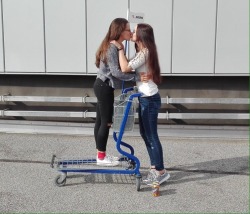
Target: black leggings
(104,113)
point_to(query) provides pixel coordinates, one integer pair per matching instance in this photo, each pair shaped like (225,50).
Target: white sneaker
(107,161)
(154,176)
(150,176)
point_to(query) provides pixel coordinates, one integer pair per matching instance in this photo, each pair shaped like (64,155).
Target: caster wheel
(60,180)
(138,183)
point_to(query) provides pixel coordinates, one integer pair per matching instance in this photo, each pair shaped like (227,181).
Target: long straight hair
(116,28)
(145,34)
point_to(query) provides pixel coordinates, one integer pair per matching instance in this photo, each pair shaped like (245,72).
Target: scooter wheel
(60,180)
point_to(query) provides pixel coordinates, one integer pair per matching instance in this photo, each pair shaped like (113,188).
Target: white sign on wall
(135,17)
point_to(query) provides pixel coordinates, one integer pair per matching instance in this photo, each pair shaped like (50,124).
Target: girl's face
(134,37)
(126,34)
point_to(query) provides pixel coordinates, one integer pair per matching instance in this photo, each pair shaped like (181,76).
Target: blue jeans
(148,115)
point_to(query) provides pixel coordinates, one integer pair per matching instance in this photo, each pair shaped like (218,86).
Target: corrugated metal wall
(194,37)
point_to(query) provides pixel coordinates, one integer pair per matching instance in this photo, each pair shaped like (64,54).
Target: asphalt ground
(209,169)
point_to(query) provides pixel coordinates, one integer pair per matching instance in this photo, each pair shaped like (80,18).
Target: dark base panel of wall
(172,86)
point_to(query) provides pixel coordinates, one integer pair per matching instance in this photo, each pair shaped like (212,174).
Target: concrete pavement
(67,128)
(209,173)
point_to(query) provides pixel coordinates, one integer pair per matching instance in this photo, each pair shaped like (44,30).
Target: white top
(138,63)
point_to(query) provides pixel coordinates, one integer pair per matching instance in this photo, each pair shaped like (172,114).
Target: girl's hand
(117,44)
(145,77)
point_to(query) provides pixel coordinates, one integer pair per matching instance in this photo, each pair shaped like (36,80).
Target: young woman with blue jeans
(146,60)
(148,115)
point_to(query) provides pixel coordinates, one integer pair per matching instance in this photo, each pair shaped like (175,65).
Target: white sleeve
(138,60)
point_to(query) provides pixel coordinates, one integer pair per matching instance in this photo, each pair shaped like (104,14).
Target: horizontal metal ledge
(216,116)
(86,114)
(236,101)
(86,99)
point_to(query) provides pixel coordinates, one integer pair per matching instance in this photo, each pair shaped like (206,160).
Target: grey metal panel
(99,16)
(23,35)
(1,41)
(232,54)
(65,30)
(193,36)
(158,14)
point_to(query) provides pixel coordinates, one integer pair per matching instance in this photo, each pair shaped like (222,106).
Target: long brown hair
(145,34)
(116,28)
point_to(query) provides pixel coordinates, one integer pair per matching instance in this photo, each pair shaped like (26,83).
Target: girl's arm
(113,63)
(125,66)
(123,61)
